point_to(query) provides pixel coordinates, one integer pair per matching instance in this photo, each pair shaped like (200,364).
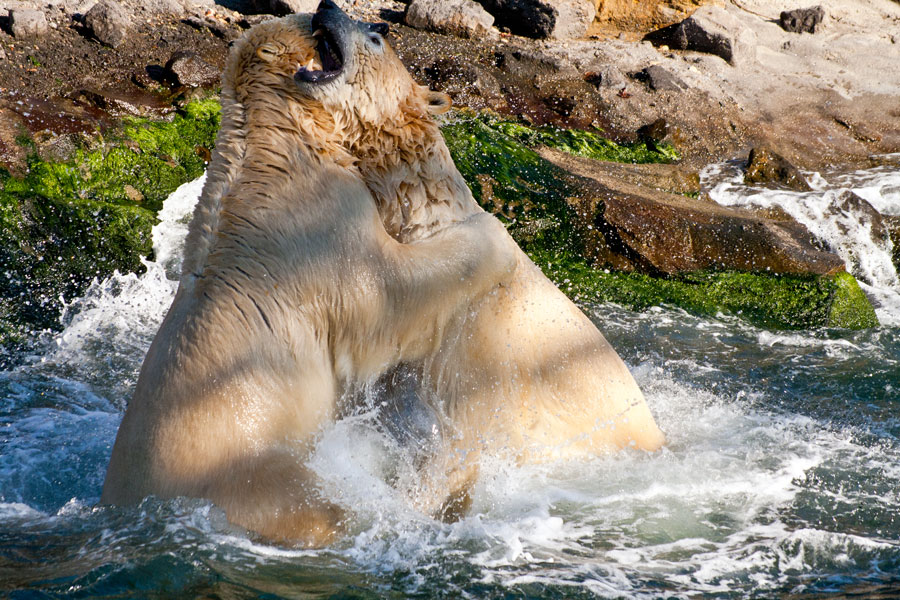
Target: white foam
(112,324)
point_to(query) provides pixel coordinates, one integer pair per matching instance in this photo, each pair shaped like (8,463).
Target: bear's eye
(375,39)
(269,52)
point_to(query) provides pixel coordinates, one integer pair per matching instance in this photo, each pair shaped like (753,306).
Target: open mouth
(330,61)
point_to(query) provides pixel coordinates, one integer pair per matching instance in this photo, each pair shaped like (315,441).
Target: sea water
(781,476)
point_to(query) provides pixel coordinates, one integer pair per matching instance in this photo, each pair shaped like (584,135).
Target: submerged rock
(766,167)
(462,18)
(802,20)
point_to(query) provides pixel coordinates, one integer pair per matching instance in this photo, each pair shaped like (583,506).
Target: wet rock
(802,20)
(660,79)
(634,229)
(186,68)
(892,224)
(652,133)
(558,19)
(861,210)
(712,30)
(462,18)
(628,227)
(766,167)
(467,82)
(25,23)
(108,22)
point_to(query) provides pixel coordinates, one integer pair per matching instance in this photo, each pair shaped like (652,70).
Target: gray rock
(271,7)
(186,68)
(606,77)
(661,80)
(108,22)
(28,23)
(163,7)
(712,30)
(558,19)
(462,18)
(802,20)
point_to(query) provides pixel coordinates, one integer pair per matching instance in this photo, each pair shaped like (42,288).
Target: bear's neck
(252,141)
(416,186)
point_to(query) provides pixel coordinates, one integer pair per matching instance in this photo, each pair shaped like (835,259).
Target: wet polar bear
(291,292)
(522,372)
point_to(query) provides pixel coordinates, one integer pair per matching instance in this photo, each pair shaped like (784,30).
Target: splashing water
(848,228)
(780,475)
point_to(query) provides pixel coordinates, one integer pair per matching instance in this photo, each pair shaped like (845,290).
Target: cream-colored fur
(523,371)
(292,292)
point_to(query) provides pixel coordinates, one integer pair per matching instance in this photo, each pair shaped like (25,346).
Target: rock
(863,212)
(28,23)
(606,77)
(628,227)
(186,68)
(667,234)
(711,29)
(766,167)
(462,18)
(272,7)
(558,19)
(892,224)
(108,22)
(653,132)
(802,20)
(660,79)
(467,82)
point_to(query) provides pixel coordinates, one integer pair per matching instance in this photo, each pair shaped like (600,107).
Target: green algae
(537,200)
(64,223)
(587,143)
(850,307)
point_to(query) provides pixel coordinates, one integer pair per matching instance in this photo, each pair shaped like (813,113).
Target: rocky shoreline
(705,84)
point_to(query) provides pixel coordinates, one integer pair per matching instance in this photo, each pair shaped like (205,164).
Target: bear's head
(357,77)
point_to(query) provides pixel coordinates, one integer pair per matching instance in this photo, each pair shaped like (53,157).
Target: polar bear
(291,291)
(523,371)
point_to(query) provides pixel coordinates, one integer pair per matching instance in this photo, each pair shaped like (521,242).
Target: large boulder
(557,19)
(712,30)
(631,228)
(108,22)
(462,18)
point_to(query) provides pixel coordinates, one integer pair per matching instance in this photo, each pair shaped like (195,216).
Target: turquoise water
(781,476)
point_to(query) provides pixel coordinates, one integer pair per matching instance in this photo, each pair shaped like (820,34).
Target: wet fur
(291,293)
(524,372)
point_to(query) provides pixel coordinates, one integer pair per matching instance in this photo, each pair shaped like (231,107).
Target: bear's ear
(438,102)
(269,52)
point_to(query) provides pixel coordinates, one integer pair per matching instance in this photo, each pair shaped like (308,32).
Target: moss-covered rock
(65,223)
(540,202)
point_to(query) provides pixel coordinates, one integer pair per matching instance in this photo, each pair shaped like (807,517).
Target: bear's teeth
(312,65)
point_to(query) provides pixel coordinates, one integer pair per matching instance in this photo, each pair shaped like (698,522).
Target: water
(781,476)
